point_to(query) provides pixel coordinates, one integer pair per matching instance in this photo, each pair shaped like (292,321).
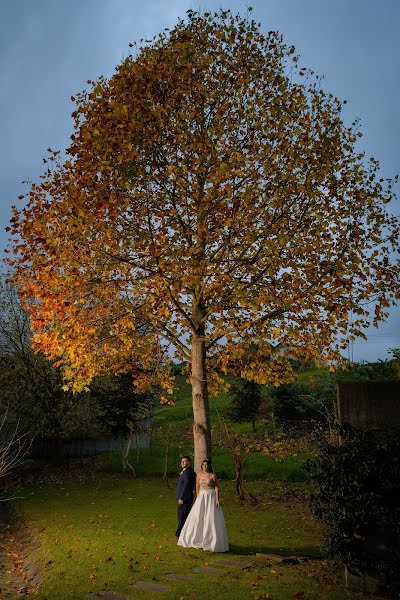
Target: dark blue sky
(49,48)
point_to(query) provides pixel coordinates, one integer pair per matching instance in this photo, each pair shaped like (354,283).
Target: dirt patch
(19,573)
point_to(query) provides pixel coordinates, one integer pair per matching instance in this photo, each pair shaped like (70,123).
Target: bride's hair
(210,469)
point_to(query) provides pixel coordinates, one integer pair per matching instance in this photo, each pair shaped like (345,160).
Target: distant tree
(33,390)
(121,408)
(213,196)
(122,411)
(383,370)
(304,400)
(395,352)
(246,401)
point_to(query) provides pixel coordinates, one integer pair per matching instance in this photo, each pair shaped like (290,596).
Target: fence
(43,448)
(369,404)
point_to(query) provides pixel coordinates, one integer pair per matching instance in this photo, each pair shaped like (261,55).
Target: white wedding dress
(205,526)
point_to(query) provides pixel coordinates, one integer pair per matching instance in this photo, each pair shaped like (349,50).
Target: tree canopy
(213,201)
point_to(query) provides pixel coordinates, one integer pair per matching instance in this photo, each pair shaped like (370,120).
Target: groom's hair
(187,458)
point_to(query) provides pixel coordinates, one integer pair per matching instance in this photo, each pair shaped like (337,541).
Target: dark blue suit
(184,491)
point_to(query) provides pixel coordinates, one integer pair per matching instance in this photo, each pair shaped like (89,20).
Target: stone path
(242,565)
(221,566)
(179,577)
(108,596)
(208,570)
(151,587)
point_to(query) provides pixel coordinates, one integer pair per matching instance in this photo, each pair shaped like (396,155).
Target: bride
(205,526)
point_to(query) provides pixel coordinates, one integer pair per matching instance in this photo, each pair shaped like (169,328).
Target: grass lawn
(108,531)
(257,466)
(182,413)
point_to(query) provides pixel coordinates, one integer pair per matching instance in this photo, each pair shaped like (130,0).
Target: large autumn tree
(212,195)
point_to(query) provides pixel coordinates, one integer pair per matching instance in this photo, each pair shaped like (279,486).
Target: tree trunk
(239,476)
(165,476)
(201,413)
(125,455)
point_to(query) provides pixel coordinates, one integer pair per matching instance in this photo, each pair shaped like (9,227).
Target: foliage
(357,495)
(395,352)
(34,390)
(303,400)
(38,398)
(384,370)
(175,437)
(221,207)
(261,448)
(121,409)
(246,401)
(29,384)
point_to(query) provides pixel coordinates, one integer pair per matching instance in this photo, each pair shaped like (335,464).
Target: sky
(50,48)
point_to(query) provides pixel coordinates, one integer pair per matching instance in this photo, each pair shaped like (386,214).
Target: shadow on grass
(305,551)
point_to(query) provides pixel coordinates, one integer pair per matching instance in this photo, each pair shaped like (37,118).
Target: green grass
(257,466)
(182,411)
(318,375)
(109,531)
(112,531)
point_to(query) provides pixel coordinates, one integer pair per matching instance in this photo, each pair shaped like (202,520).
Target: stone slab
(235,563)
(108,596)
(284,560)
(150,586)
(270,557)
(210,570)
(178,577)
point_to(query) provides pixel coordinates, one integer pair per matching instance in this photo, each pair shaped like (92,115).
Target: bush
(246,401)
(302,400)
(357,495)
(384,370)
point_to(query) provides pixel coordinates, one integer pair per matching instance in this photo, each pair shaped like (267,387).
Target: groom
(184,492)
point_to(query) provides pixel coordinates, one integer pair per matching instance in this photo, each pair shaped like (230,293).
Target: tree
(32,389)
(121,411)
(246,401)
(13,446)
(214,201)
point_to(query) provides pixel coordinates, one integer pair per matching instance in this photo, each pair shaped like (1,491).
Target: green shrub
(384,370)
(303,400)
(357,495)
(246,401)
